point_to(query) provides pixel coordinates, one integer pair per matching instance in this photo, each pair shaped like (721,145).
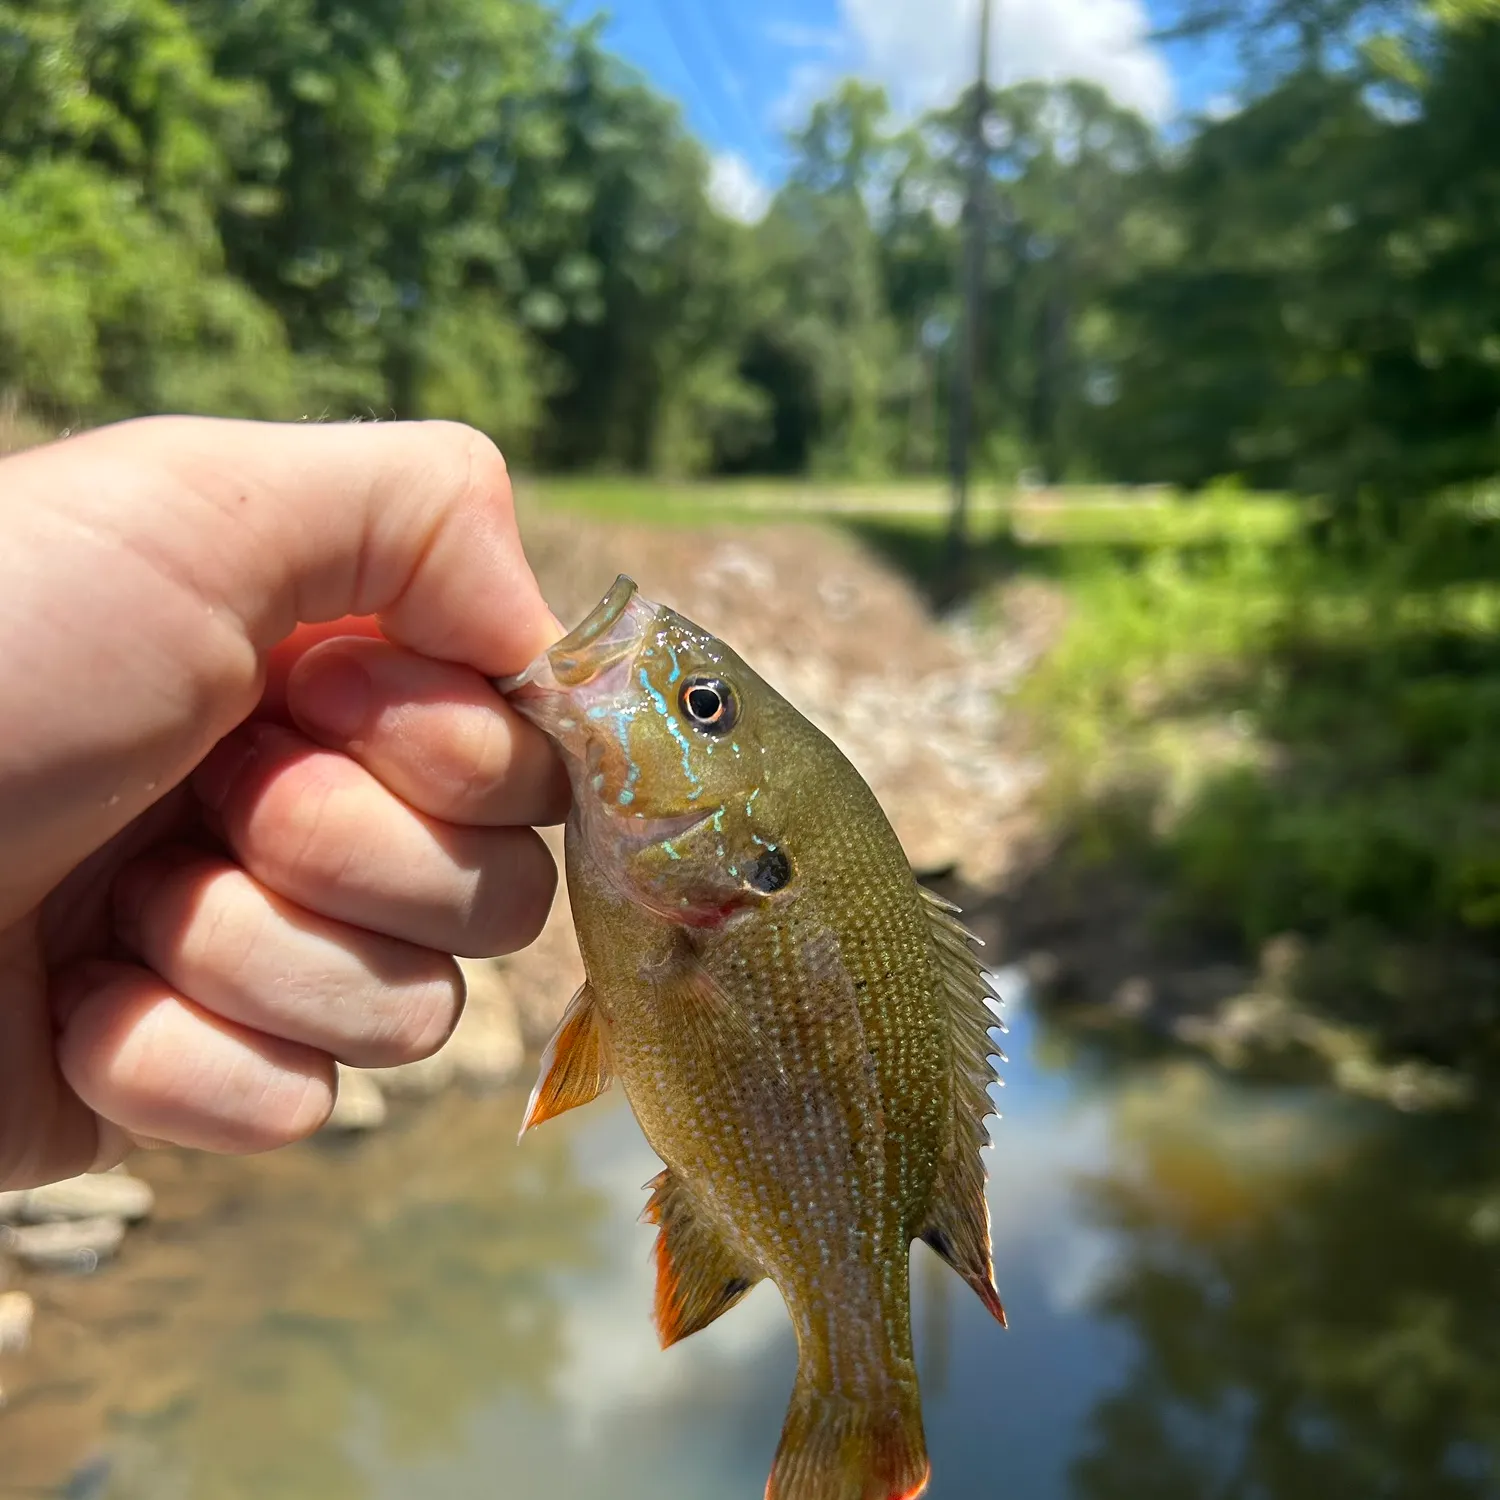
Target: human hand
(232,848)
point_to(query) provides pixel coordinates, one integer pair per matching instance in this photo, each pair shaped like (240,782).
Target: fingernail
(333,694)
(116,1145)
(222,767)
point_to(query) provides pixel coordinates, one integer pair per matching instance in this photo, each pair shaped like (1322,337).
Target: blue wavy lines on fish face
(622,715)
(695,782)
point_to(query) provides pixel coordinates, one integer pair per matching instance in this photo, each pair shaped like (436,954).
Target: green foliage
(647,299)
(283,207)
(468,208)
(114,142)
(1309,738)
(1320,310)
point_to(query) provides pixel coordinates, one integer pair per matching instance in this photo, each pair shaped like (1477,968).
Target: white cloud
(923,50)
(735,190)
(804,38)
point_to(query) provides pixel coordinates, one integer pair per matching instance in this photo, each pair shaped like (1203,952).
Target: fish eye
(710,703)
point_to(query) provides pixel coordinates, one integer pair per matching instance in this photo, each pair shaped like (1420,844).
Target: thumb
(147,569)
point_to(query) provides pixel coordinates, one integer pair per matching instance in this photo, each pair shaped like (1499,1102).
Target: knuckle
(309,828)
(487,476)
(471,761)
(475,456)
(220,929)
(487,464)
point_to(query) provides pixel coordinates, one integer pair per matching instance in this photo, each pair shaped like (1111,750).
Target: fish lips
(591,664)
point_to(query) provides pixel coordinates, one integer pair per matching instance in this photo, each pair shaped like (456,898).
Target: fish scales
(794,1024)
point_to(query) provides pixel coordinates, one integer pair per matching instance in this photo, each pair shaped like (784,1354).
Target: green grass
(1129,521)
(672,503)
(1068,516)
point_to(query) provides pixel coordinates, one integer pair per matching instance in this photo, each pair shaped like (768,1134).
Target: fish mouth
(608,636)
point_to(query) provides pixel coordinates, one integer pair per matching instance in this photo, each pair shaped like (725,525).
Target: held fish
(801,1029)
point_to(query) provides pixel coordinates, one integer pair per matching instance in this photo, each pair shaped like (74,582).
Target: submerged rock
(78,1245)
(17,1313)
(359,1104)
(95,1195)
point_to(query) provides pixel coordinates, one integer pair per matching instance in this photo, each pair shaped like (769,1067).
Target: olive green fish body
(800,1030)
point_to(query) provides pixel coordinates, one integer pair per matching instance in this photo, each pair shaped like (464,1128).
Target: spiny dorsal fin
(574,1068)
(957,1223)
(698,1276)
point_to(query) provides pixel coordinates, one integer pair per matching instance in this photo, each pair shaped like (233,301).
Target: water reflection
(1215,1291)
(438,1291)
(1315,1311)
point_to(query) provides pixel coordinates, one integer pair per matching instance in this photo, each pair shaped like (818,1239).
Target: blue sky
(742,70)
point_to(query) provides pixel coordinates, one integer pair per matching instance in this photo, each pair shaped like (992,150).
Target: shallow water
(1215,1290)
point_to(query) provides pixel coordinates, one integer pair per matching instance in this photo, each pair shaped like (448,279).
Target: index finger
(150,568)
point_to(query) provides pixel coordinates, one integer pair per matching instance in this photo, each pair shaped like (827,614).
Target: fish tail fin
(840,1447)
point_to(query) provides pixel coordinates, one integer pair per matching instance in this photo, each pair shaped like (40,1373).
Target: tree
(375,213)
(117,146)
(1277,35)
(826,346)
(650,298)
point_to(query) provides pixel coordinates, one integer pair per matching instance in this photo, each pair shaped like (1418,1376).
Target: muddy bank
(1105,952)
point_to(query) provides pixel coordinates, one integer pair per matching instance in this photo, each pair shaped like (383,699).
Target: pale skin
(256,787)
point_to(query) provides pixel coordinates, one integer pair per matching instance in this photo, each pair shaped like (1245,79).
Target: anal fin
(698,1276)
(574,1067)
(959,1231)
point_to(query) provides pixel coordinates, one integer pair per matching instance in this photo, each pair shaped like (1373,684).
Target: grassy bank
(1299,745)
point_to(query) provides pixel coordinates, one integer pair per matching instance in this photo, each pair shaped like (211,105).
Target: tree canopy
(469,208)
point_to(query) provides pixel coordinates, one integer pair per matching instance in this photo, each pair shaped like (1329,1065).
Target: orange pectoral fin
(574,1068)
